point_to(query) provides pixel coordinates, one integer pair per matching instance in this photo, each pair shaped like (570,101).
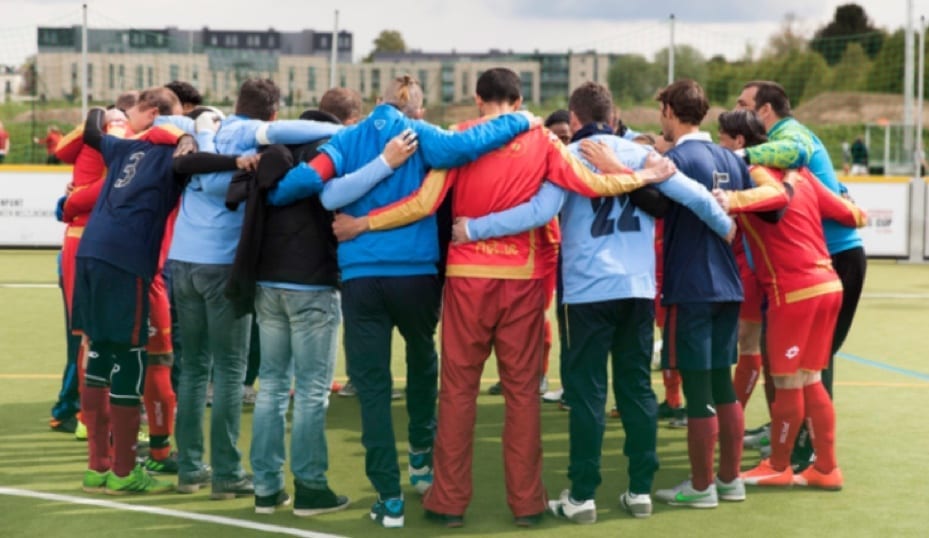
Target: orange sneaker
(766,475)
(813,478)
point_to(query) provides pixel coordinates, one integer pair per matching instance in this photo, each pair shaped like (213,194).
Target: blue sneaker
(421,469)
(389,512)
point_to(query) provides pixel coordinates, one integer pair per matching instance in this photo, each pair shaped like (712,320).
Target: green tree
(850,24)
(851,74)
(633,79)
(387,41)
(887,69)
(688,63)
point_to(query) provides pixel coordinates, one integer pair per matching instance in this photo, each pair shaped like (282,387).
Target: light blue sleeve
(695,197)
(300,182)
(540,209)
(448,149)
(343,190)
(205,140)
(181,122)
(294,131)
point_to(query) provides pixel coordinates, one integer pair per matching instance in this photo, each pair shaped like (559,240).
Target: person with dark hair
(212,332)
(804,297)
(189,97)
(558,123)
(494,298)
(792,145)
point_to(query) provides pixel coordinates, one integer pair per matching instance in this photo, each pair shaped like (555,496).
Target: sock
(731,429)
(95,406)
(672,388)
(701,443)
(125,427)
(747,372)
(820,415)
(769,389)
(160,400)
(786,418)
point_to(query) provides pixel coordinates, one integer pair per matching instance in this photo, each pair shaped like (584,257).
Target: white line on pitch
(26,285)
(218,520)
(895,295)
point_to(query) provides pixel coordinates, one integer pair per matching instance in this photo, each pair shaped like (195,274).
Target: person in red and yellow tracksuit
(494,298)
(804,296)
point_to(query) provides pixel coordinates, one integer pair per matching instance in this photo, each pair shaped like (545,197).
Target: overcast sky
(713,26)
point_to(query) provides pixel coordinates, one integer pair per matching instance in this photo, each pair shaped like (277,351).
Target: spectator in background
(52,137)
(859,153)
(4,143)
(846,156)
(559,124)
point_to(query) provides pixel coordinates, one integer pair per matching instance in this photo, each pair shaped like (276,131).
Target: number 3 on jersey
(604,225)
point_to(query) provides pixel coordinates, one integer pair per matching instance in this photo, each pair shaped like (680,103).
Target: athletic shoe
(137,481)
(583,512)
(563,405)
(665,410)
(684,494)
(802,455)
(730,491)
(347,390)
(543,385)
(397,394)
(94,482)
(553,396)
(679,419)
(528,521)
(757,438)
(336,387)
(614,413)
(656,355)
(420,468)
(449,520)
(766,475)
(68,425)
(312,502)
(193,482)
(266,504)
(165,466)
(249,395)
(230,489)
(637,505)
(496,389)
(813,478)
(759,429)
(388,513)
(80,432)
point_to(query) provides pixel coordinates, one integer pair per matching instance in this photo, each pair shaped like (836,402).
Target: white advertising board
(27,205)
(887,202)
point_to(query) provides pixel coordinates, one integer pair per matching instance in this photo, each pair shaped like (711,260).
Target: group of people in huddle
(385,221)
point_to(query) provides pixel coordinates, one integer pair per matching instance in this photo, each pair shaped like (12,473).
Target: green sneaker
(138,481)
(94,482)
(80,431)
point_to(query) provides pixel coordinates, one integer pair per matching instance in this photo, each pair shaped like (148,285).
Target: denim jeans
(212,337)
(298,336)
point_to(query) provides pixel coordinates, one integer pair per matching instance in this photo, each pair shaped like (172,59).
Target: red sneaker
(766,475)
(813,478)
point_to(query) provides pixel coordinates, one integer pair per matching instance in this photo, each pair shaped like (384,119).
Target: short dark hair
(498,85)
(185,92)
(258,99)
(127,100)
(161,98)
(686,99)
(746,123)
(343,103)
(558,116)
(591,102)
(770,93)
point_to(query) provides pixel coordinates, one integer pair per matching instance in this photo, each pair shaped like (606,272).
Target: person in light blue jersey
(607,303)
(205,238)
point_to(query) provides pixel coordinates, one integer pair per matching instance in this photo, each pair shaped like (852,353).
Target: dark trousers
(624,331)
(371,308)
(851,266)
(175,329)
(69,398)
(254,356)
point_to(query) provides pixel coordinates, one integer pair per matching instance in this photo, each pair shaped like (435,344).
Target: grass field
(883,443)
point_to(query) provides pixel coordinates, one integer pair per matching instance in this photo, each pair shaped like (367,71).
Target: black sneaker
(266,504)
(665,410)
(165,466)
(449,520)
(760,429)
(531,520)
(68,425)
(496,389)
(230,489)
(802,455)
(311,502)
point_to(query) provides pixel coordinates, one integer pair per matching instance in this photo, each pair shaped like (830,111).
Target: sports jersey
(413,249)
(791,259)
(88,173)
(501,180)
(792,145)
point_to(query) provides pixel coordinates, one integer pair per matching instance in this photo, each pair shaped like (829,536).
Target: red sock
(701,443)
(125,428)
(160,400)
(731,430)
(95,412)
(786,418)
(747,372)
(672,388)
(820,415)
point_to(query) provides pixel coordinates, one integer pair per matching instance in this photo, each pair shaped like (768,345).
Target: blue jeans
(212,337)
(298,336)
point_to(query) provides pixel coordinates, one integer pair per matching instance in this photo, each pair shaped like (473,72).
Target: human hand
(248,162)
(722,198)
(207,121)
(534,121)
(69,188)
(601,156)
(730,235)
(185,145)
(114,115)
(659,172)
(400,148)
(460,231)
(346,227)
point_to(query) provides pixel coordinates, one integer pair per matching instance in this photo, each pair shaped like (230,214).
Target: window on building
(139,76)
(112,73)
(214,40)
(174,72)
(311,79)
(151,77)
(90,77)
(231,40)
(375,80)
(342,79)
(465,87)
(526,78)
(422,76)
(361,85)
(215,82)
(195,75)
(324,42)
(122,77)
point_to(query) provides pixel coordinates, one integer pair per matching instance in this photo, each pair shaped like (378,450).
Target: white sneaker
(583,513)
(758,439)
(656,355)
(684,494)
(730,491)
(543,385)
(553,396)
(639,506)
(347,390)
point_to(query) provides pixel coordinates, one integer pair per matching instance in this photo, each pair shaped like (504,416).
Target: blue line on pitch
(882,366)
